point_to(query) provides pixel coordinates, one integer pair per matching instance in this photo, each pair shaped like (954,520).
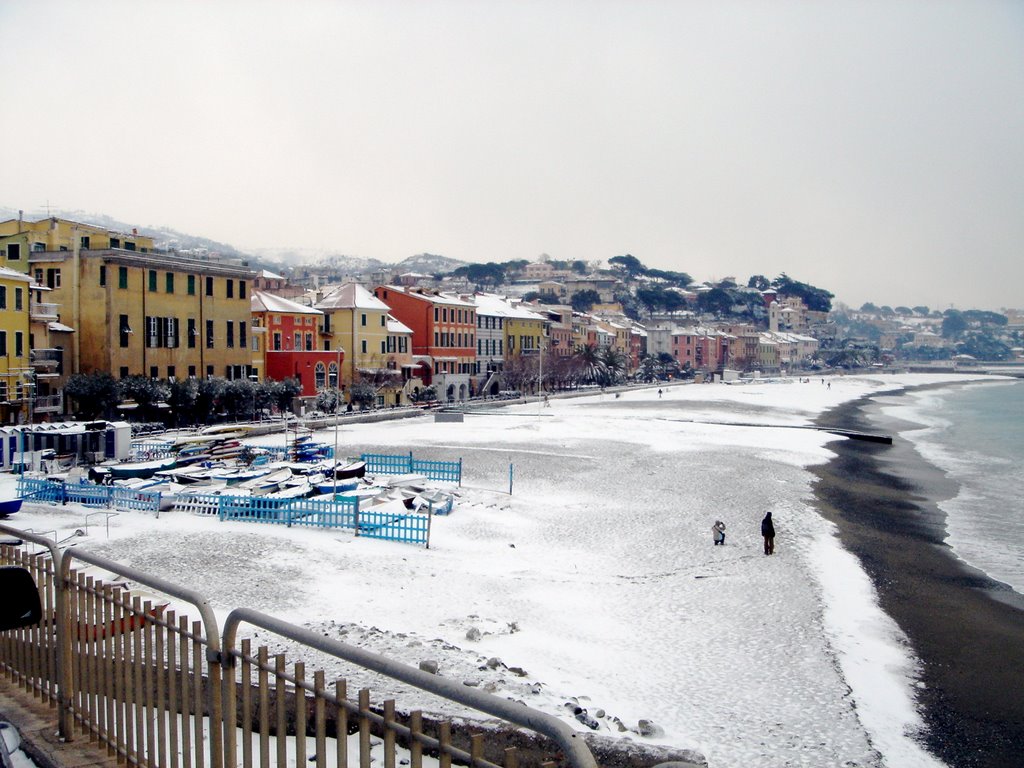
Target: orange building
(443,335)
(286,336)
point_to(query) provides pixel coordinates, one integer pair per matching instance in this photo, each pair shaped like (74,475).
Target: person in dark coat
(768,531)
(718,532)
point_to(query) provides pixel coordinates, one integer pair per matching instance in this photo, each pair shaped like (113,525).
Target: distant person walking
(659,393)
(718,532)
(768,531)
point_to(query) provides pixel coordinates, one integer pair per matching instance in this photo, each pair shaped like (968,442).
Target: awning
(56,326)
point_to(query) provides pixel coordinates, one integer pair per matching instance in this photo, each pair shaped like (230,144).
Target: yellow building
(16,379)
(358,322)
(19,239)
(143,313)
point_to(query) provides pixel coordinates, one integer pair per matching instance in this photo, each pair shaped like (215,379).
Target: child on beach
(718,532)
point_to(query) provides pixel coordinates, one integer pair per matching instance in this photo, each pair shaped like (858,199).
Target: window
(231,289)
(154,372)
(209,286)
(209,371)
(209,334)
(191,371)
(383,321)
(362,346)
(115,242)
(169,282)
(19,344)
(38,275)
(152,332)
(297,341)
(170,372)
(241,289)
(83,242)
(384,347)
(231,334)
(191,286)
(437,314)
(13,251)
(3,297)
(171,332)
(3,343)
(122,277)
(309,342)
(152,280)
(277,340)
(192,333)
(320,376)
(123,329)
(241,334)
(103,274)
(123,372)
(129,245)
(362,320)
(53,278)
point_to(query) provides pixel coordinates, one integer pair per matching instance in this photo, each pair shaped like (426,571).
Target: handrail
(62,620)
(561,733)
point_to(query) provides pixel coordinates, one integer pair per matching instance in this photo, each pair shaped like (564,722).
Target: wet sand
(967,630)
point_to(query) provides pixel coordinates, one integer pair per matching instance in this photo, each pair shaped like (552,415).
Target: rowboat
(9,506)
(141,468)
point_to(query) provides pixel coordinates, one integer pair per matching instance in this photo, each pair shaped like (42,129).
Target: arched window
(332,376)
(321,376)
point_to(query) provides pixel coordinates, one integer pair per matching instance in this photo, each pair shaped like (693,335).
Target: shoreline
(965,631)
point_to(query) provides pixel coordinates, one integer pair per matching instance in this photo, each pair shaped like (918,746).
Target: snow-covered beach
(597,577)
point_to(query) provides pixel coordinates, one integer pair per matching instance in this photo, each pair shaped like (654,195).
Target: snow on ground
(595,583)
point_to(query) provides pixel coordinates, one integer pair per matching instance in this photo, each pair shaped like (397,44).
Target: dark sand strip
(967,630)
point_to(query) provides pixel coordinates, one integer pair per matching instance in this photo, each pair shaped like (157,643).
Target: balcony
(46,358)
(42,312)
(49,403)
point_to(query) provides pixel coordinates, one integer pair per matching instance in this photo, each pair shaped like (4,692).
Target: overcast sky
(875,149)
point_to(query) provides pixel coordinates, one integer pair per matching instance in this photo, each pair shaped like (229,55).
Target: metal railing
(160,690)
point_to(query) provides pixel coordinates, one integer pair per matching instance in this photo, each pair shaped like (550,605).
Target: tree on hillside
(717,300)
(678,279)
(953,324)
(816,299)
(584,301)
(984,317)
(629,265)
(760,282)
(489,274)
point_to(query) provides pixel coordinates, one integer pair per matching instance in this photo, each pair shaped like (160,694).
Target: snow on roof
(351,296)
(55,326)
(397,326)
(268,302)
(12,274)
(266,274)
(433,297)
(492,305)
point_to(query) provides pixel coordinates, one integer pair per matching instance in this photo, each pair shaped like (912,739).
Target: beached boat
(350,470)
(336,486)
(9,506)
(142,469)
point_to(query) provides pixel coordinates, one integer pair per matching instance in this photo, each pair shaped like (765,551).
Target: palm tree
(591,365)
(615,366)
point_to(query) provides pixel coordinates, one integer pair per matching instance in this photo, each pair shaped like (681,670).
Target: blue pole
(510,479)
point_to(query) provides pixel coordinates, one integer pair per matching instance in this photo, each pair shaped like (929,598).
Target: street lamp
(337,426)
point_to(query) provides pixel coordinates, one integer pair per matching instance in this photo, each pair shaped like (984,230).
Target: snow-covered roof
(351,296)
(433,297)
(268,302)
(492,305)
(397,326)
(266,274)
(60,327)
(12,274)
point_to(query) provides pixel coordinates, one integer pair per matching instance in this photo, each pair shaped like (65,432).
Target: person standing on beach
(768,531)
(718,532)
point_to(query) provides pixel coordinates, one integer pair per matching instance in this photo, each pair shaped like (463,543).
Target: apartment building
(443,336)
(287,339)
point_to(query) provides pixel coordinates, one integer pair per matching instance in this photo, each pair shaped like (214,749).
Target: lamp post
(337,403)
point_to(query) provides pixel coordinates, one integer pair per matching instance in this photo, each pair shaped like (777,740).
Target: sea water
(975,433)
